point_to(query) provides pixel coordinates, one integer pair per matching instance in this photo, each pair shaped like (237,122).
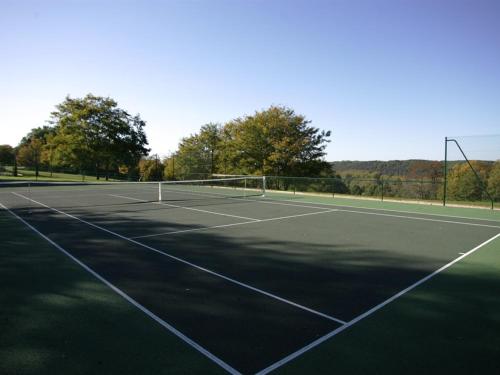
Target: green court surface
(108,280)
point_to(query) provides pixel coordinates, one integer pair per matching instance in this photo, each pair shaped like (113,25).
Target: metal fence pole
(445,169)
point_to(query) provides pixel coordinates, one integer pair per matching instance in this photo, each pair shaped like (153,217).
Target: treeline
(89,135)
(93,136)
(275,141)
(422,179)
(412,168)
(388,168)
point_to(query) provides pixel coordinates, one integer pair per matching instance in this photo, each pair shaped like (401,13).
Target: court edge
(129,299)
(306,348)
(374,309)
(267,200)
(213,273)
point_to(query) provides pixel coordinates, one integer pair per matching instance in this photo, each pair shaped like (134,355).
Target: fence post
(445,169)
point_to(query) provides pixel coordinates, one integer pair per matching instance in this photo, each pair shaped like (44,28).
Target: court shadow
(341,279)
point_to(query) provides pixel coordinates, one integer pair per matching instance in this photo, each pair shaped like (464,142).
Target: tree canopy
(7,155)
(86,134)
(275,141)
(92,132)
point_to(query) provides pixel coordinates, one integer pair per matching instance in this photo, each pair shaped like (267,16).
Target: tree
(425,169)
(40,133)
(170,167)
(7,155)
(494,181)
(199,154)
(463,183)
(277,141)
(151,169)
(29,154)
(94,132)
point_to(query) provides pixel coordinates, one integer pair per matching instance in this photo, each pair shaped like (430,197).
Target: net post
(263,186)
(159,192)
(245,188)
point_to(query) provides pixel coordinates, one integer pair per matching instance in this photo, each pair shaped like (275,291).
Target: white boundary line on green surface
(129,299)
(374,309)
(268,201)
(377,209)
(233,224)
(282,202)
(183,207)
(420,218)
(219,275)
(244,199)
(393,215)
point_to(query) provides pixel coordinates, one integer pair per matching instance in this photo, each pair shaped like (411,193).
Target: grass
(55,318)
(29,175)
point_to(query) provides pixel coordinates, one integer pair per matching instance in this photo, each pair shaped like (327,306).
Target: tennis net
(102,192)
(235,187)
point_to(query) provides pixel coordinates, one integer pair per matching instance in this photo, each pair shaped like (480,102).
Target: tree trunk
(15,166)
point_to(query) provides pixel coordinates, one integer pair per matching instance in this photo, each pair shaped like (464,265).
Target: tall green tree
(94,132)
(29,154)
(151,168)
(200,153)
(463,183)
(494,181)
(40,133)
(275,141)
(7,155)
(278,141)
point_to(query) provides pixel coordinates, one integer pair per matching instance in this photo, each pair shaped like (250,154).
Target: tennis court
(249,281)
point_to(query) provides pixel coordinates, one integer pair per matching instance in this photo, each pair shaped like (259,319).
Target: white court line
(244,285)
(335,332)
(381,209)
(420,218)
(270,201)
(184,207)
(233,224)
(132,301)
(247,199)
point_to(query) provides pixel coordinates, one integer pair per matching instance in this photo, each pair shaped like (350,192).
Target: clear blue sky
(390,78)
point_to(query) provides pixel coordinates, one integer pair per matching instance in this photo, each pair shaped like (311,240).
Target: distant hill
(413,168)
(388,168)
